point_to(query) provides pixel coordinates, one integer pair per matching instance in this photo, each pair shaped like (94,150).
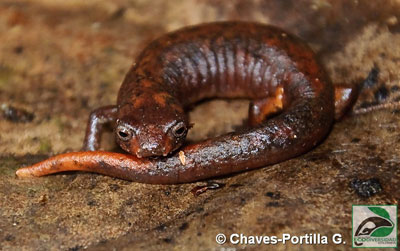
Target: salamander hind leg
(345,97)
(261,109)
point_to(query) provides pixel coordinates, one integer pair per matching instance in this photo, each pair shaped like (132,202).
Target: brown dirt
(61,59)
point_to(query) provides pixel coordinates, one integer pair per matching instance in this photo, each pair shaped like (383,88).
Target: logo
(374,226)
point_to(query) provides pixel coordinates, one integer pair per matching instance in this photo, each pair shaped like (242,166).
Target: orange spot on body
(161,98)
(138,102)
(147,83)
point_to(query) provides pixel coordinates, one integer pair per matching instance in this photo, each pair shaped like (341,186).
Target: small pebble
(16,115)
(381,94)
(366,188)
(372,78)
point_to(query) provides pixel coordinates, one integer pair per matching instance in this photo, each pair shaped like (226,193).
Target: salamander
(292,109)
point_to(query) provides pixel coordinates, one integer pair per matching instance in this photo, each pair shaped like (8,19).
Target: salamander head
(150,129)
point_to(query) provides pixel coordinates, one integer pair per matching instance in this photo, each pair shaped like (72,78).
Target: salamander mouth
(140,153)
(147,150)
(157,151)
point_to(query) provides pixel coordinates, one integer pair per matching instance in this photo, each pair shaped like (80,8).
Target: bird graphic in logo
(375,226)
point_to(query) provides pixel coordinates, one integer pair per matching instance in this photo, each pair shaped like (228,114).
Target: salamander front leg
(97,119)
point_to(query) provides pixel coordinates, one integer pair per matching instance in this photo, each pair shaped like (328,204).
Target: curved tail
(123,166)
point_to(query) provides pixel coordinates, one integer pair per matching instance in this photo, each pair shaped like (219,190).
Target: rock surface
(61,59)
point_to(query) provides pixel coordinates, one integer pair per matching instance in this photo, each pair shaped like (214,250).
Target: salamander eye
(124,133)
(179,130)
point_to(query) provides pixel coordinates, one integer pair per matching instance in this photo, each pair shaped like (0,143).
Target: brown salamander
(293,106)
